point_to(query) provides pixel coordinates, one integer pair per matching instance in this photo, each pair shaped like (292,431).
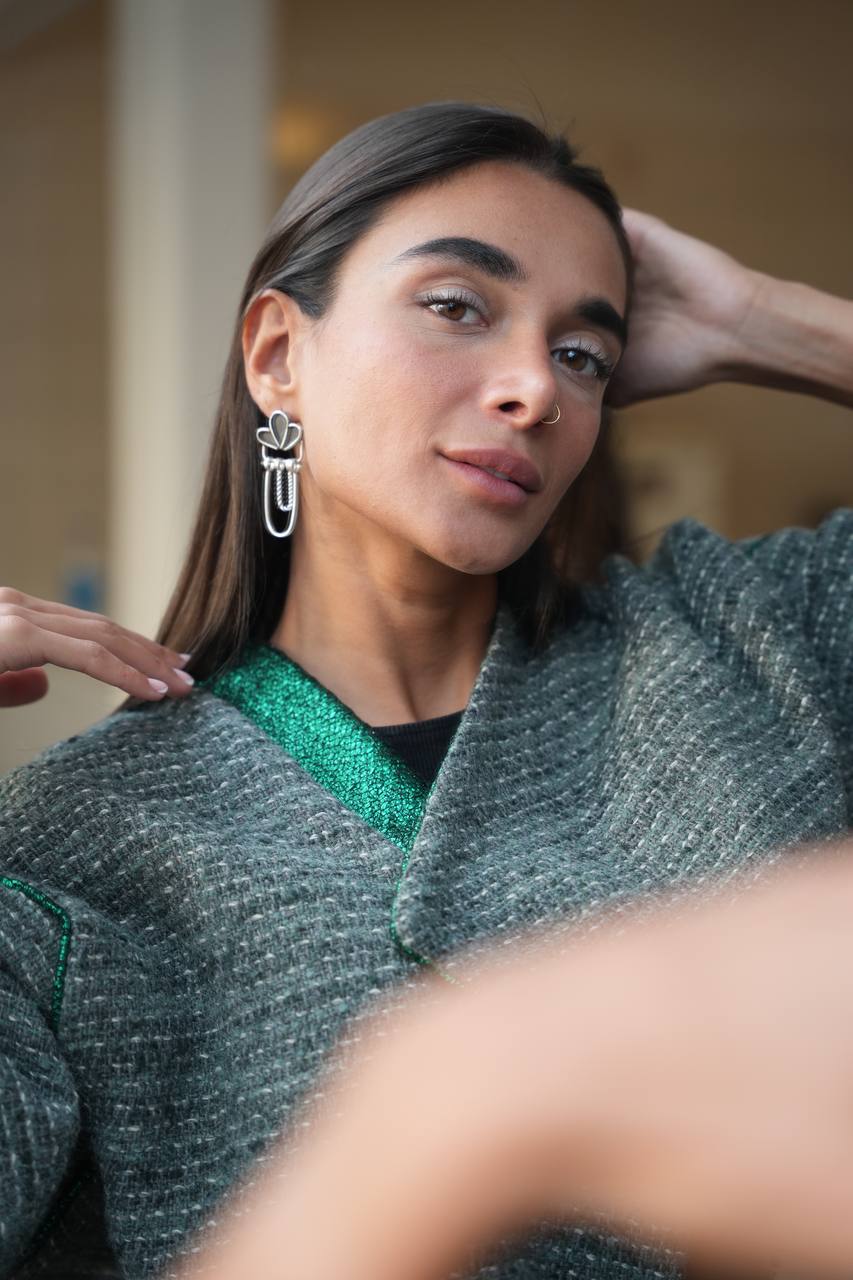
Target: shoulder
(790,590)
(790,566)
(807,556)
(123,749)
(96,788)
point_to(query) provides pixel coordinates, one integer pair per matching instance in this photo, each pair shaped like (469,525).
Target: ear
(272,332)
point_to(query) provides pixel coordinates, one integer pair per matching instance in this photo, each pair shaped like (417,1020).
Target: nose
(525,387)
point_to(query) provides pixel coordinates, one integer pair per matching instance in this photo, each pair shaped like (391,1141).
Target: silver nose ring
(550,421)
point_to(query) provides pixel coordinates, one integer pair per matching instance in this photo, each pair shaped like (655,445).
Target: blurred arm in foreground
(685,1070)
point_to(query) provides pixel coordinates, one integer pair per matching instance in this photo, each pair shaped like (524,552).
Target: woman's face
(459,321)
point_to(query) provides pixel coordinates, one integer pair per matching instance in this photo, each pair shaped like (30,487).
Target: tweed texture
(189,920)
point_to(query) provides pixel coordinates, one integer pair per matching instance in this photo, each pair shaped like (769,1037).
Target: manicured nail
(159,686)
(186,656)
(184,675)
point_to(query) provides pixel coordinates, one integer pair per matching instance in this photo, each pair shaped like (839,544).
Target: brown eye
(586,363)
(577,359)
(458,308)
(453,310)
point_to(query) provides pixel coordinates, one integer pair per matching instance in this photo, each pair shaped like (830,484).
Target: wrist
(404,1171)
(478,1115)
(546,1043)
(792,337)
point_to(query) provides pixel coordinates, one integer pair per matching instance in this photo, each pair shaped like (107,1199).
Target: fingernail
(184,675)
(159,686)
(186,656)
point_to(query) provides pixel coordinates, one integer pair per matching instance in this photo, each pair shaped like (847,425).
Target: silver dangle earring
(280,435)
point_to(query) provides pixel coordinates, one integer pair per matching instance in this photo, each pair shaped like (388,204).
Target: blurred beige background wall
(733,121)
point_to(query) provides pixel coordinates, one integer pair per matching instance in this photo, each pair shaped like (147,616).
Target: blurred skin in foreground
(684,1070)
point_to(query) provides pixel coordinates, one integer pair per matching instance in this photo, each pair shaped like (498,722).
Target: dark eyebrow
(501,265)
(600,312)
(474,253)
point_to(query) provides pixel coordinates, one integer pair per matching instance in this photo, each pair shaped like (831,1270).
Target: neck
(395,635)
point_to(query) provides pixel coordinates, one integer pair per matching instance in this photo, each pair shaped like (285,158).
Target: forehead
(561,239)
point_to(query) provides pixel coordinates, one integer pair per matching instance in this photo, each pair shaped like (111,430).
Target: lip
(503,492)
(520,470)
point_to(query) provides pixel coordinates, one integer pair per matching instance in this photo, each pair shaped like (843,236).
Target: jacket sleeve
(814,568)
(39,1107)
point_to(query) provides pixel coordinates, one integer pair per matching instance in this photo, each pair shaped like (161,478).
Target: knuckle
(8,595)
(16,627)
(95,652)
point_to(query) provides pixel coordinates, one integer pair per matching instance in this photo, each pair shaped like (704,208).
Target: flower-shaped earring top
(279,435)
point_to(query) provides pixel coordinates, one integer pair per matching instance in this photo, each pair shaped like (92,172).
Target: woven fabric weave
(189,919)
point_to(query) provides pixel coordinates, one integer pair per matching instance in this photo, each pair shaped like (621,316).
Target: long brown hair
(232,587)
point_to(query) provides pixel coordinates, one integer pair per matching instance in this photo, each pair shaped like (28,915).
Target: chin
(485,559)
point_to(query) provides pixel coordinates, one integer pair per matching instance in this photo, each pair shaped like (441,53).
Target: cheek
(373,411)
(367,362)
(380,397)
(577,444)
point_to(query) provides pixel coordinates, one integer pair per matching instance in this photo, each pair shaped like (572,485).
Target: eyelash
(603,365)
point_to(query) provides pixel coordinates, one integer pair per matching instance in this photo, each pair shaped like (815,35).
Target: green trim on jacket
(327,739)
(53,908)
(337,748)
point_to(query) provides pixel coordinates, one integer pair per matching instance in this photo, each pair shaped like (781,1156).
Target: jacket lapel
(671,734)
(668,736)
(327,739)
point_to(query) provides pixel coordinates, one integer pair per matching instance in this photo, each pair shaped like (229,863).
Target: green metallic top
(327,739)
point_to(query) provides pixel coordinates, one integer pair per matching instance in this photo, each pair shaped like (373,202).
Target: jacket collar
(669,735)
(336,747)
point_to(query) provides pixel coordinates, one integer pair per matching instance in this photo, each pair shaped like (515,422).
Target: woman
(202,894)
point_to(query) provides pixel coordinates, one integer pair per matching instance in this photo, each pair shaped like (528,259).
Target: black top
(422,744)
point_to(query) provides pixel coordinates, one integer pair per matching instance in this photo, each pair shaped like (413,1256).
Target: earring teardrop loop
(268,506)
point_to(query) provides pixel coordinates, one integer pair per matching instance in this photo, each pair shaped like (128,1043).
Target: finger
(639,215)
(24,644)
(13,597)
(135,653)
(17,688)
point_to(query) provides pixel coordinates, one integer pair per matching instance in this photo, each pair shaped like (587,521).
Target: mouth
(484,482)
(505,465)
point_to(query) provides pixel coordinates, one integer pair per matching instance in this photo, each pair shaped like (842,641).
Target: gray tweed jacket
(194,900)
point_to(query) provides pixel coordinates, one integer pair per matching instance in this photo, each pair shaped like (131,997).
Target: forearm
(431,1152)
(794,338)
(686,1070)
